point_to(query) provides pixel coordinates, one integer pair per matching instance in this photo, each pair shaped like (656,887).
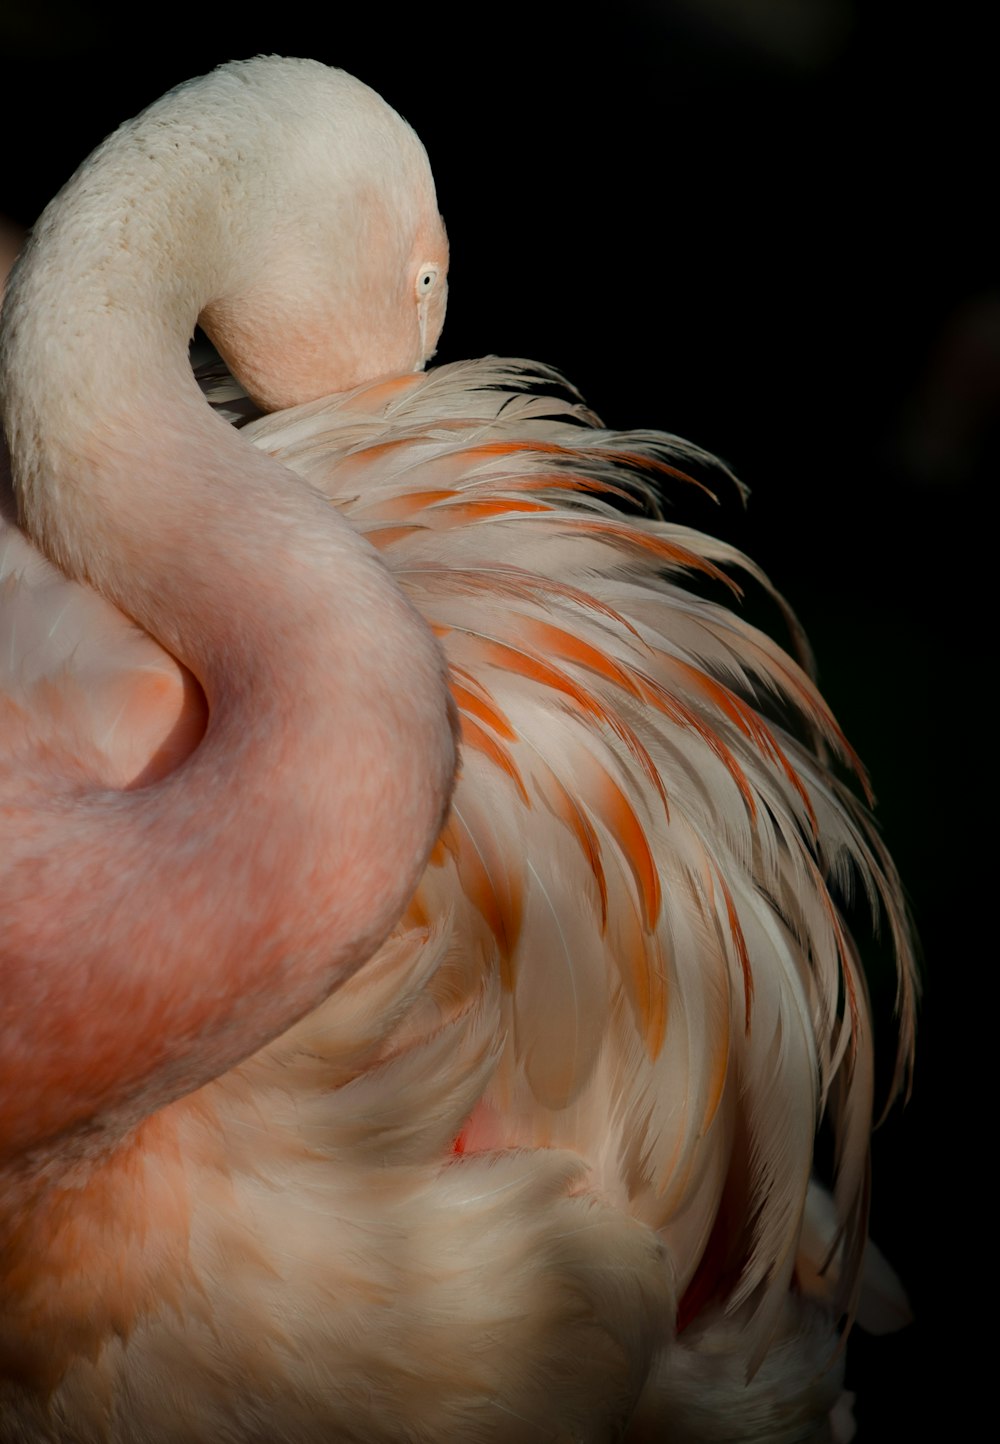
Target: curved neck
(163,935)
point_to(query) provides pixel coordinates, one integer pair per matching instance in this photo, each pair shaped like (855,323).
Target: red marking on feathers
(655,463)
(563,806)
(382,537)
(573,649)
(475,737)
(591,454)
(529,664)
(510,581)
(512,448)
(629,535)
(501,911)
(618,815)
(482,508)
(750,724)
(572,482)
(381,448)
(638,956)
(684,716)
(471,696)
(811,704)
(377,397)
(404,504)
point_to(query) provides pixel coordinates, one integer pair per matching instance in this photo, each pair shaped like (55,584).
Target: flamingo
(352,1086)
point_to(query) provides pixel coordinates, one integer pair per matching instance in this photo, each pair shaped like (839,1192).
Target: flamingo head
(347,280)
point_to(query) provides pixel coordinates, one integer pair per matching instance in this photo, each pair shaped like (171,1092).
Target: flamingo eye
(426,281)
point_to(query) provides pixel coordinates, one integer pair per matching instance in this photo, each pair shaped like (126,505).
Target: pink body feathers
(320,1120)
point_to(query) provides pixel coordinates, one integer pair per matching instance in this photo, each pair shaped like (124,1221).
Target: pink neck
(155,938)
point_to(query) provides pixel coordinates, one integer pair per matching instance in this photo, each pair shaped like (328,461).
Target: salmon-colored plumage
(325,1115)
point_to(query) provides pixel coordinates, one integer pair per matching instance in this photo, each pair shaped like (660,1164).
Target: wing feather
(648,827)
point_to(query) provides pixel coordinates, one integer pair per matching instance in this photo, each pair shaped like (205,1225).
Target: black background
(762,226)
